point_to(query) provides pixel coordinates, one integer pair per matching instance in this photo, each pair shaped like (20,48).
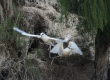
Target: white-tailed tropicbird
(64,52)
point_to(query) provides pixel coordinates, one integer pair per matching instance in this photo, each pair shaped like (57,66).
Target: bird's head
(41,34)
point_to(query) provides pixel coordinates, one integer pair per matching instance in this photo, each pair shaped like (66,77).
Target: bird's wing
(67,38)
(59,41)
(26,34)
(57,48)
(55,39)
(75,48)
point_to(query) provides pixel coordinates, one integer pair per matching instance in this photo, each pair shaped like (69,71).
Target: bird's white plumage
(58,48)
(43,35)
(75,48)
(26,34)
(62,52)
(57,40)
(66,39)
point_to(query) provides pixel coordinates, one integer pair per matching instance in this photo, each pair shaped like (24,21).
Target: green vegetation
(40,53)
(35,72)
(14,64)
(7,34)
(94,12)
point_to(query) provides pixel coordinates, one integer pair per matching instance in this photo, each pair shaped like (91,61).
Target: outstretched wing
(67,38)
(56,39)
(75,48)
(51,38)
(59,40)
(57,48)
(26,34)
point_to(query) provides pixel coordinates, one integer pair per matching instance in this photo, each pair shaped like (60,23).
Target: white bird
(48,40)
(64,52)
